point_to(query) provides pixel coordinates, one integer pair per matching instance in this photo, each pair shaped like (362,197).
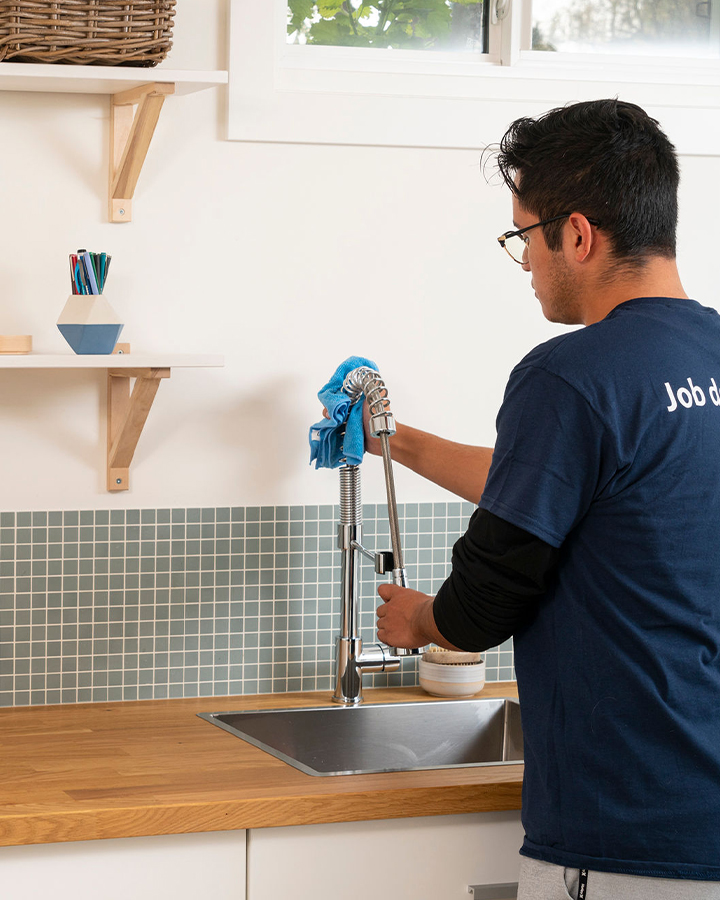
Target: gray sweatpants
(545,881)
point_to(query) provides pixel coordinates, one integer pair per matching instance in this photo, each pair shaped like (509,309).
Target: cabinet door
(432,858)
(167,867)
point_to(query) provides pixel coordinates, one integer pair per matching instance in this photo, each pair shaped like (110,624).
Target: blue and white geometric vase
(89,324)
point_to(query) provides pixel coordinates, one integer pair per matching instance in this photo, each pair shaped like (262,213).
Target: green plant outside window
(450,25)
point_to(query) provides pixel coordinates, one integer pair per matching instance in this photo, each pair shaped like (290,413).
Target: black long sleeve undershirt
(499,571)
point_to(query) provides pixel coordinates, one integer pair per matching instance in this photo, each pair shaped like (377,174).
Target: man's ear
(583,236)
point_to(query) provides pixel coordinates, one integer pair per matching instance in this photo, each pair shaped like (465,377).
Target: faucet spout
(352,661)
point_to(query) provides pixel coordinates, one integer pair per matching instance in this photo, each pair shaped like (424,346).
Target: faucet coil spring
(350,499)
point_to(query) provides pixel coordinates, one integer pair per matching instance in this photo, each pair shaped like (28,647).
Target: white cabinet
(431,858)
(166,867)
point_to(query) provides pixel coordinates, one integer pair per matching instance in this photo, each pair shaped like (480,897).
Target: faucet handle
(407,651)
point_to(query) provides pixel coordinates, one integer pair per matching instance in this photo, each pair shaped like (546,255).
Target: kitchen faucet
(351,658)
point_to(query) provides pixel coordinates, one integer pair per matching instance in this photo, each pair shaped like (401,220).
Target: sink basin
(384,737)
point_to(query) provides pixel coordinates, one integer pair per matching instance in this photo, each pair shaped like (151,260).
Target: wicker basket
(86,32)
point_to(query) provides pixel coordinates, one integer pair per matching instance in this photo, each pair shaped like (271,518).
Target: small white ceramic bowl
(451,680)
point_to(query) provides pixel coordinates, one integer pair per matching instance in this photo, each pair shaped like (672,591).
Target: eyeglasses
(515,243)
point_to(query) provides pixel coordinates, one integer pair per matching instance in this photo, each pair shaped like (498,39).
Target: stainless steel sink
(384,737)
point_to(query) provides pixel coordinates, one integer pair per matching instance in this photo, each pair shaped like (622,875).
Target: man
(595,539)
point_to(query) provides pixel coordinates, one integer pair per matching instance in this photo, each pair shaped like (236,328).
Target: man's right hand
(406,619)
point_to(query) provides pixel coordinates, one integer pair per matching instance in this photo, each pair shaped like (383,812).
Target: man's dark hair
(606,159)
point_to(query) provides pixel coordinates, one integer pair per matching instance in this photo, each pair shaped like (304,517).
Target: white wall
(284,258)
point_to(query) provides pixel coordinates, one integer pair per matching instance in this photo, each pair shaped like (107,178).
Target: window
(449,25)
(350,72)
(660,28)
(646,27)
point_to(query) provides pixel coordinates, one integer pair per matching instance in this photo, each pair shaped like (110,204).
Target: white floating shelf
(60,79)
(109,361)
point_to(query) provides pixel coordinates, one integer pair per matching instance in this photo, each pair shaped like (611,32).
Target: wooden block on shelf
(15,343)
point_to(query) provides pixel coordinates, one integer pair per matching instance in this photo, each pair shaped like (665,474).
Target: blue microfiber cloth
(332,442)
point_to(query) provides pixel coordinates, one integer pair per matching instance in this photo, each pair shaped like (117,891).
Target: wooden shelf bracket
(126,411)
(126,416)
(133,116)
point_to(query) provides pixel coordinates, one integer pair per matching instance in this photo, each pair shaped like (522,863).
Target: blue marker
(103,267)
(90,269)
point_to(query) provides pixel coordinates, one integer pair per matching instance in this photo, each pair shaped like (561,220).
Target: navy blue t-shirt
(609,448)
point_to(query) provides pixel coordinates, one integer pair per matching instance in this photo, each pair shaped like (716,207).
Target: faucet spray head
(367,382)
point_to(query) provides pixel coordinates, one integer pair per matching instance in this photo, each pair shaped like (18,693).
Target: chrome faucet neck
(351,659)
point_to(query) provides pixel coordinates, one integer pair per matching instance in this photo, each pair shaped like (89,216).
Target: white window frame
(294,93)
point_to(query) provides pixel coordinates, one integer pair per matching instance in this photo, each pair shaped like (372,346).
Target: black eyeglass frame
(521,231)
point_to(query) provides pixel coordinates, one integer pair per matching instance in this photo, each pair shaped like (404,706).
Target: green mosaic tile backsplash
(102,605)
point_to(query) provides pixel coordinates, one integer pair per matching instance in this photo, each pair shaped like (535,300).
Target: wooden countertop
(87,771)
